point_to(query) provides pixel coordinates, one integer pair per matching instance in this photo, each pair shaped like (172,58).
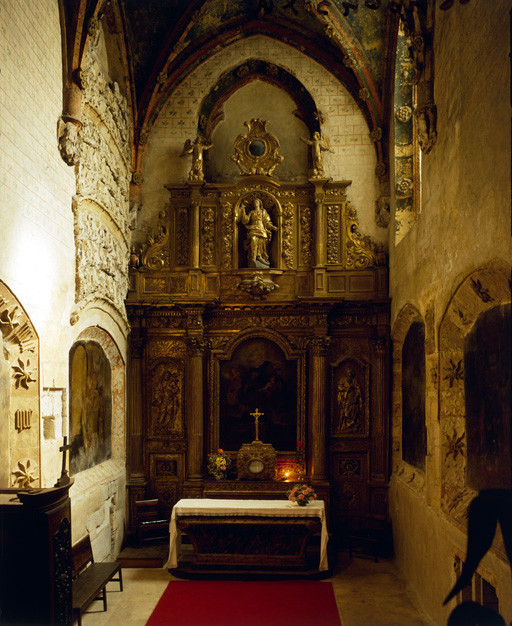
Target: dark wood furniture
(35,556)
(151,524)
(372,537)
(90,579)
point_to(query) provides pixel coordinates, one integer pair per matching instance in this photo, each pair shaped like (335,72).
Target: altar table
(249,512)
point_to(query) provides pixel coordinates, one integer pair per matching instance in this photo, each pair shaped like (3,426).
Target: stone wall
(39,232)
(462,231)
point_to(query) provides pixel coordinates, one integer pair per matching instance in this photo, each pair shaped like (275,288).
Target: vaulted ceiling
(164,40)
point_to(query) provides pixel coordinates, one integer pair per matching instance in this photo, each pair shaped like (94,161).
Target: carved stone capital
(69,142)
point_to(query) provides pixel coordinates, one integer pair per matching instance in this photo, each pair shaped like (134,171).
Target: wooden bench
(89,578)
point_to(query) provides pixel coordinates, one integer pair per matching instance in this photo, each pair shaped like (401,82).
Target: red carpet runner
(244,603)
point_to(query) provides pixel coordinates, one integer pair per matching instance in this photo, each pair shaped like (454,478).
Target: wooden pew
(89,578)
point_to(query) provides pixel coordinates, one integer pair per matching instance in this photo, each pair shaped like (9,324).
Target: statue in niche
(319,143)
(350,400)
(259,227)
(196,148)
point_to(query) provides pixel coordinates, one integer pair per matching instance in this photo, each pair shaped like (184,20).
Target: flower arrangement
(302,495)
(218,463)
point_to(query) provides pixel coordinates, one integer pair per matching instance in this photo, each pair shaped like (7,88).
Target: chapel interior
(279,228)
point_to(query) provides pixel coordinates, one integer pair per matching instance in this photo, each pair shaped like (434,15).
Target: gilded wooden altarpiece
(312,299)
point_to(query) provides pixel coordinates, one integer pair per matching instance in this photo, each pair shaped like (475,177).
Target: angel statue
(318,145)
(196,149)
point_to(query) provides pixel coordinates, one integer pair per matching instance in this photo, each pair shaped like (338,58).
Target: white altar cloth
(254,508)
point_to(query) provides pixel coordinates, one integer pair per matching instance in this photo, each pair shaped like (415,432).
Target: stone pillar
(136,481)
(317,407)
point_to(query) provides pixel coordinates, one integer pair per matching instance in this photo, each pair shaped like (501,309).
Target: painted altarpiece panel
(258,375)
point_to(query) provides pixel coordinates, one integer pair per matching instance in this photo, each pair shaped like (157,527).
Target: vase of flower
(218,463)
(302,495)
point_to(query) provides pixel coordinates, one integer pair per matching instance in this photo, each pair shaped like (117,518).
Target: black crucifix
(256,416)
(64,478)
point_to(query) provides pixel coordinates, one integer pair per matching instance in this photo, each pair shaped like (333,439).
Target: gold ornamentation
(257,286)
(256,152)
(333,233)
(258,226)
(156,255)
(256,461)
(287,252)
(208,236)
(306,236)
(360,250)
(165,348)
(227,236)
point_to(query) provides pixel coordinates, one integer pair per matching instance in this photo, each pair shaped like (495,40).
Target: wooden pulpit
(35,556)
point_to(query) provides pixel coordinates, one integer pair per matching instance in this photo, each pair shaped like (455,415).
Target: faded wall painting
(349,400)
(487,360)
(414,432)
(258,376)
(91,406)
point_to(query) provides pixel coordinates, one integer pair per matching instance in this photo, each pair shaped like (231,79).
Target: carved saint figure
(319,144)
(258,227)
(167,401)
(196,149)
(350,400)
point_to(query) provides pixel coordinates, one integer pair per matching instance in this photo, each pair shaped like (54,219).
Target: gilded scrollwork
(208,236)
(287,237)
(361,251)
(306,235)
(227,234)
(156,249)
(257,151)
(333,233)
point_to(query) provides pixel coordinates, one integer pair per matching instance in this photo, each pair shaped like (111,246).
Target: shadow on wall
(485,511)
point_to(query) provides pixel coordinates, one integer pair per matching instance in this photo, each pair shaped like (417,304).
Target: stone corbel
(69,125)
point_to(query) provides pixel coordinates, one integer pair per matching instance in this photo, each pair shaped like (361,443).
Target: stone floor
(367,594)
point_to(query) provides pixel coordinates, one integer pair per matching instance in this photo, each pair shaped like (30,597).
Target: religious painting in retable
(258,376)
(487,389)
(90,420)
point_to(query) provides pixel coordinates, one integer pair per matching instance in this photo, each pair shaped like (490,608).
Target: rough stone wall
(354,156)
(463,228)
